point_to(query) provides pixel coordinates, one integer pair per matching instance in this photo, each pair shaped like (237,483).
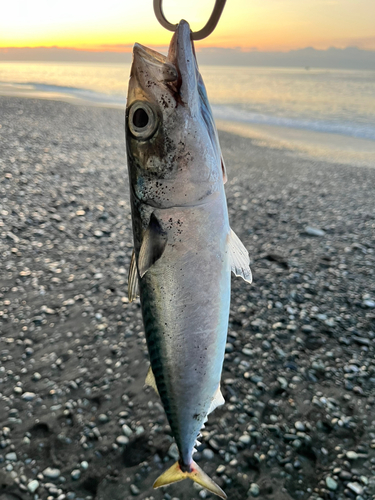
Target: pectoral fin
(150,380)
(133,279)
(153,246)
(239,257)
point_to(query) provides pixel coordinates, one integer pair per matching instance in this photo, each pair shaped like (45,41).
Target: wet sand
(326,147)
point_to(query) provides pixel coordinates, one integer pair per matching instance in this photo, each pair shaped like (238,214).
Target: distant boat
(307,68)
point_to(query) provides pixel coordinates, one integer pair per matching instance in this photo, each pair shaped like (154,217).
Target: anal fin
(175,474)
(239,257)
(218,400)
(150,380)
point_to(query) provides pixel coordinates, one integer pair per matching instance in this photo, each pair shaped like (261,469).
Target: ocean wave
(221,112)
(231,113)
(87,95)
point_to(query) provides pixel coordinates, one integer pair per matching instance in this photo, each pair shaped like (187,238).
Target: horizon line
(127,48)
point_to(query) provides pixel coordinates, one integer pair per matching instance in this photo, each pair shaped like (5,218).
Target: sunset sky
(250,24)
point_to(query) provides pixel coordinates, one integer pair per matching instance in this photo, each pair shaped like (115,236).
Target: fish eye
(142,120)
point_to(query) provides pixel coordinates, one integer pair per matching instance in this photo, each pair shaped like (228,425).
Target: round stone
(75,474)
(355,488)
(28,396)
(122,440)
(297,443)
(254,490)
(173,451)
(300,426)
(126,430)
(51,473)
(245,439)
(247,352)
(229,347)
(33,486)
(331,483)
(314,231)
(134,490)
(208,454)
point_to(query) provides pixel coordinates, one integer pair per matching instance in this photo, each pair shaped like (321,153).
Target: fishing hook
(195,35)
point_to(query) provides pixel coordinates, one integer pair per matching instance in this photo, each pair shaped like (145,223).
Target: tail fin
(175,474)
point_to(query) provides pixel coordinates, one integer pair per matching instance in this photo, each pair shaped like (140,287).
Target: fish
(184,248)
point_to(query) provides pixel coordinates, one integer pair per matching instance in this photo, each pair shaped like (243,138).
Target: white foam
(236,114)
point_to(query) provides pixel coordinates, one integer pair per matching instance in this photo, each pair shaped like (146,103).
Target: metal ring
(196,35)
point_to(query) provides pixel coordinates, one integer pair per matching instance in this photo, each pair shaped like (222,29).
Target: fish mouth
(177,71)
(181,49)
(154,62)
(182,55)
(148,55)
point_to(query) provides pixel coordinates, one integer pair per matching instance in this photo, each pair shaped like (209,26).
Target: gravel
(299,369)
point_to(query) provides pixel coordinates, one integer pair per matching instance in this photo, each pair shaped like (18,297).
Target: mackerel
(184,248)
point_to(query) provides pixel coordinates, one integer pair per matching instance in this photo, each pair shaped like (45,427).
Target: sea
(328,113)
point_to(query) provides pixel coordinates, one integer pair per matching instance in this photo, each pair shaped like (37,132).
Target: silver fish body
(186,323)
(184,249)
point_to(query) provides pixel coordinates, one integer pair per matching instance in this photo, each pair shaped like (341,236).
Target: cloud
(125,46)
(365,42)
(350,58)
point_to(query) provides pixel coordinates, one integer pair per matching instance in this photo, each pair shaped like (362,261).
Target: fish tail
(175,474)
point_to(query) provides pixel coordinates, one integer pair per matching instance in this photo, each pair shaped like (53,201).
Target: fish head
(174,156)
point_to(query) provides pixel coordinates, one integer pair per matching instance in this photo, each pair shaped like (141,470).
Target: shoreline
(322,146)
(23,92)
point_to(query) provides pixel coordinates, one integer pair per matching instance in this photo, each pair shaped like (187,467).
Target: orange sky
(117,24)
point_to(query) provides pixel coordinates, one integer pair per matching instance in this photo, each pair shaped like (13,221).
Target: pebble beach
(77,422)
